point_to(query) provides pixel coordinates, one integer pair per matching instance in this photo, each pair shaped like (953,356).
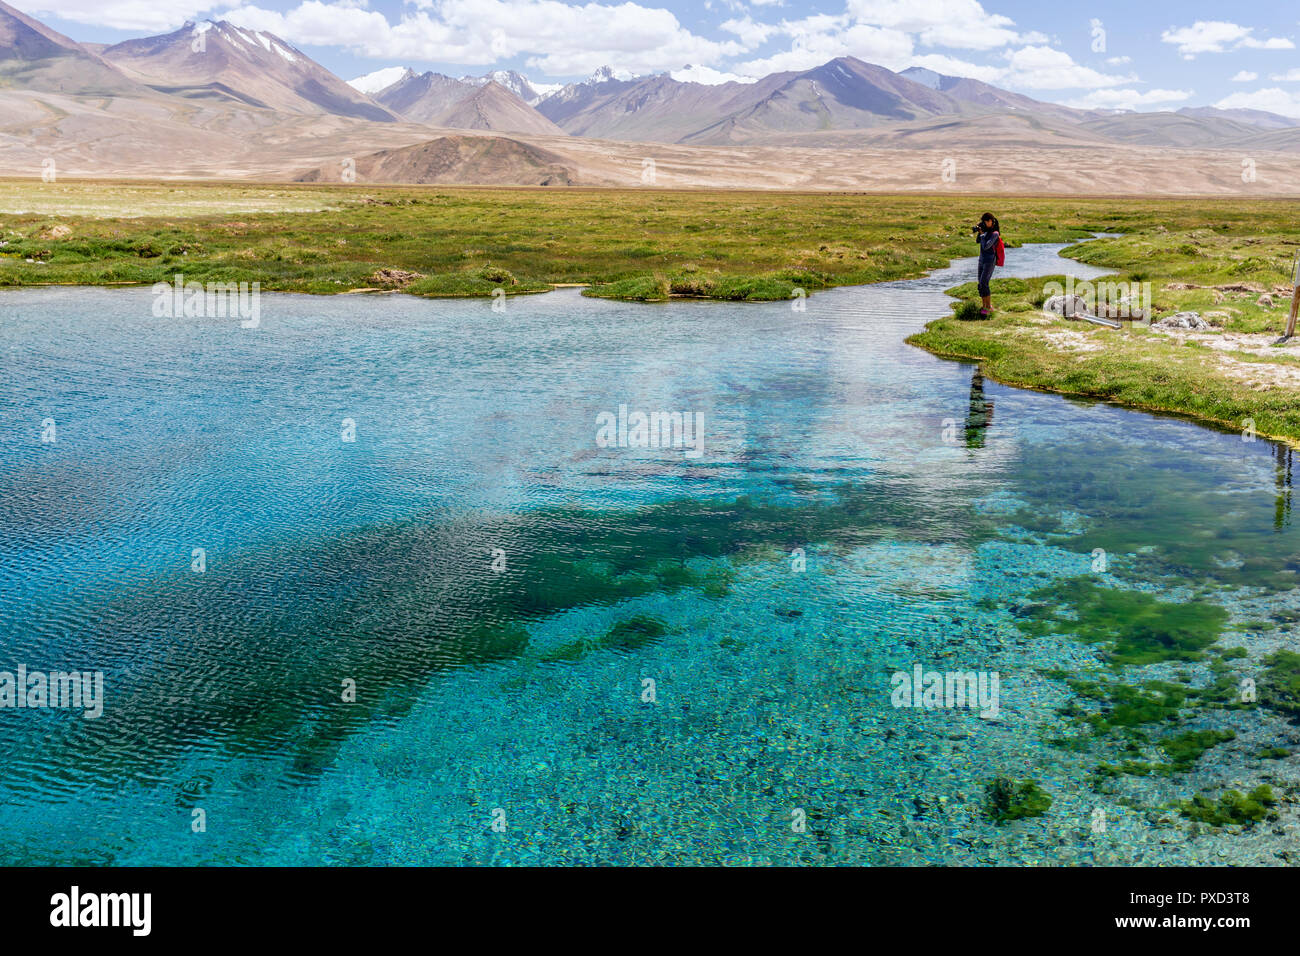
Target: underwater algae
(1132,627)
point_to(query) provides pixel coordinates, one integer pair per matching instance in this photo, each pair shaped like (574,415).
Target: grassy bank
(644,244)
(1229,375)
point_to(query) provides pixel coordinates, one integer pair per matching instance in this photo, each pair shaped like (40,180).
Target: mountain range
(213,98)
(814,107)
(480,103)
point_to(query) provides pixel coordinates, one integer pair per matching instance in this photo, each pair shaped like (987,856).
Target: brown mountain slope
(34,57)
(423,97)
(655,109)
(219,61)
(460,104)
(843,94)
(981,96)
(493,107)
(487,160)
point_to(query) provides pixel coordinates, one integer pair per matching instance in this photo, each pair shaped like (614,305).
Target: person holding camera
(992,255)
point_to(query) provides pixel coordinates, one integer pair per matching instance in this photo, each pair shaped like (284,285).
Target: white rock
(1066,306)
(1182,320)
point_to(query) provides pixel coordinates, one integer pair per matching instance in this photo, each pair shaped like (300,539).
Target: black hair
(993,218)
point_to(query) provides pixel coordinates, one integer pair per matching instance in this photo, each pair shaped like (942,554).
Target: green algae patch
(1280,688)
(1233,808)
(636,632)
(1134,627)
(1009,800)
(1185,749)
(1126,706)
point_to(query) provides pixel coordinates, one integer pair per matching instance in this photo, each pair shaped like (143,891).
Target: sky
(1127,54)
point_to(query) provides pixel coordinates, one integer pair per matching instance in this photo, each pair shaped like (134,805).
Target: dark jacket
(988,246)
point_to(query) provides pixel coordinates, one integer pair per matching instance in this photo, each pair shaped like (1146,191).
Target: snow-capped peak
(607,73)
(379,80)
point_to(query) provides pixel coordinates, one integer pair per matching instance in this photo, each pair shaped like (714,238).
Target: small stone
(1183,320)
(1066,306)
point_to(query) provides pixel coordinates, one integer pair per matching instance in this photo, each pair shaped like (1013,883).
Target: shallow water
(500,588)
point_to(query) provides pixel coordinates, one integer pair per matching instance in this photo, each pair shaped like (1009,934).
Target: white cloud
(886,32)
(561,39)
(1219,36)
(751,33)
(1119,60)
(1245,76)
(708,76)
(1128,99)
(317,23)
(815,40)
(1273,100)
(951,66)
(959,24)
(1043,68)
(1290,76)
(146,15)
(1272,43)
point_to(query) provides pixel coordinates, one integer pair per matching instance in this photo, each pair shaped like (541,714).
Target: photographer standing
(988,235)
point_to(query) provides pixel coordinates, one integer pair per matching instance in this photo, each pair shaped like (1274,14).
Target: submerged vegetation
(1008,800)
(1140,725)
(629,635)
(1135,627)
(1233,808)
(1183,750)
(1280,688)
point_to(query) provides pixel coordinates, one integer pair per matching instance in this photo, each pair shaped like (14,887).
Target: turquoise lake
(567,653)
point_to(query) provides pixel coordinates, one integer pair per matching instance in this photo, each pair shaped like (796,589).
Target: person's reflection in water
(1282,517)
(980,416)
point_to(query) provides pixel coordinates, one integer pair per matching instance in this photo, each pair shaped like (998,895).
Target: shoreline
(1206,421)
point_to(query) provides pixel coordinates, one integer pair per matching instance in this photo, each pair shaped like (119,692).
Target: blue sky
(1112,53)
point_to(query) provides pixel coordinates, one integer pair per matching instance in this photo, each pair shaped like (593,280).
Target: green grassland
(651,244)
(634,244)
(639,244)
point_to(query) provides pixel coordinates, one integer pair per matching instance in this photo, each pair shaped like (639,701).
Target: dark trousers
(986,276)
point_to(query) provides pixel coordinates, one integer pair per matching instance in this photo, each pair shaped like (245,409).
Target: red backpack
(1002,251)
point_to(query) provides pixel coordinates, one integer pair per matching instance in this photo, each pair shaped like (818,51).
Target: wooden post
(1295,302)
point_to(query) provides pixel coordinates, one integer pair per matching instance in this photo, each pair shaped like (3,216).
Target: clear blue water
(927,503)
